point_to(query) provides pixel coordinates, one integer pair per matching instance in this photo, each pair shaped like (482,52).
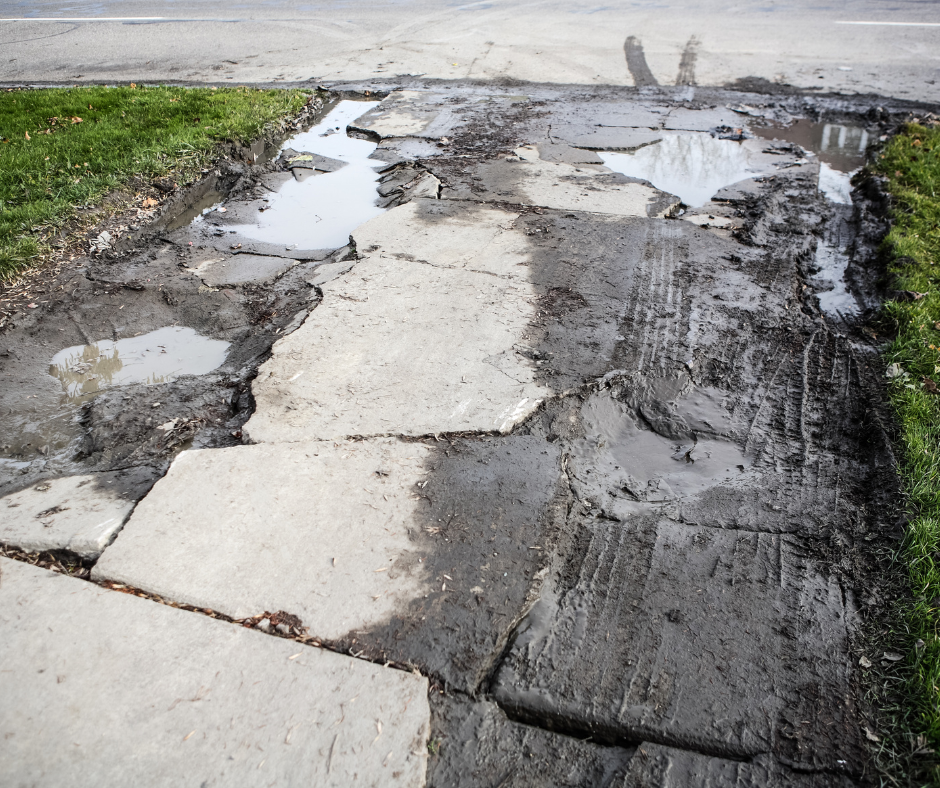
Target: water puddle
(320,211)
(841,146)
(208,203)
(691,166)
(622,461)
(160,356)
(840,149)
(47,427)
(836,186)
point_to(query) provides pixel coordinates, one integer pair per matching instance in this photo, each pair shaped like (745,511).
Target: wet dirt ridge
(606,463)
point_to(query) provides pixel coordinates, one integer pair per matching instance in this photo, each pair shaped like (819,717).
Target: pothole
(621,460)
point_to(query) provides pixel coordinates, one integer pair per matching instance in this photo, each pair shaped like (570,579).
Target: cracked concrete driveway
(603,466)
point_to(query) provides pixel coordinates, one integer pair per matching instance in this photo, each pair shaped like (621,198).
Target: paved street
(484,433)
(864,47)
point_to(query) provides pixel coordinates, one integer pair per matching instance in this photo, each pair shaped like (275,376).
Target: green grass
(911,162)
(50,162)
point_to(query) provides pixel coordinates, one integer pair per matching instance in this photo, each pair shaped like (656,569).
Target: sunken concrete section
(655,766)
(419,338)
(315,529)
(102,688)
(78,514)
(479,745)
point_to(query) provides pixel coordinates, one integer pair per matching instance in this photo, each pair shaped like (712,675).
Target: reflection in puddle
(209,202)
(840,146)
(320,212)
(691,166)
(832,262)
(158,357)
(835,185)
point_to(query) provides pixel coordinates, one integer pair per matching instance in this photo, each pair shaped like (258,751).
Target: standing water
(320,212)
(691,166)
(158,357)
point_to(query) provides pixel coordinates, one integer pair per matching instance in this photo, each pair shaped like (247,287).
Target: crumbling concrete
(577,450)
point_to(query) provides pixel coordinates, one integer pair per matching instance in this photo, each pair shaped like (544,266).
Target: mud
(147,348)
(673,555)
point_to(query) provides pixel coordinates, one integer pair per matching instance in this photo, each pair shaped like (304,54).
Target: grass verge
(63,148)
(911,163)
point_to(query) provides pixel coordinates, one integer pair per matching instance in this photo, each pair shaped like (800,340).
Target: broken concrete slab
(77,514)
(655,766)
(291,159)
(473,743)
(685,636)
(91,675)
(319,530)
(704,119)
(239,269)
(397,550)
(606,138)
(352,369)
(559,152)
(403,113)
(327,272)
(477,238)
(529,180)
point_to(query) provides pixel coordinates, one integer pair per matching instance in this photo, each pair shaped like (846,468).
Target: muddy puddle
(159,356)
(841,146)
(691,166)
(319,209)
(49,426)
(198,210)
(621,461)
(841,150)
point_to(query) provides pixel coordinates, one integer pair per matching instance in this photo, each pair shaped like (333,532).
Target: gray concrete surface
(646,653)
(319,530)
(862,47)
(239,269)
(79,514)
(409,346)
(103,688)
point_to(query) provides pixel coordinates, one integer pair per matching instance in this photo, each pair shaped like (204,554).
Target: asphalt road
(860,47)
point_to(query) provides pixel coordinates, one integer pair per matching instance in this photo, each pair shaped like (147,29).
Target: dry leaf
(149,203)
(27,136)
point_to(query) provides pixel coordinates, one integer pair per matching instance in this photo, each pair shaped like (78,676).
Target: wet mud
(662,575)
